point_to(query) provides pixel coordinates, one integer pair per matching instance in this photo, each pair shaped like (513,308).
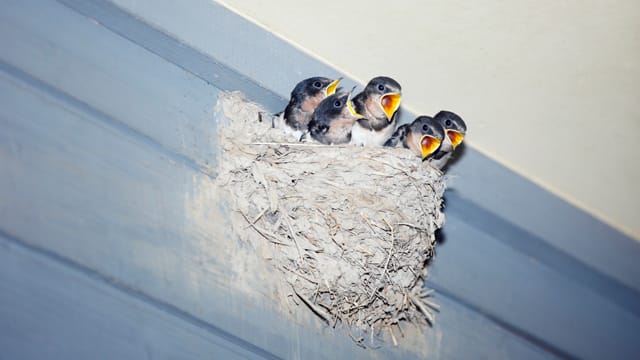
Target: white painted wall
(549,88)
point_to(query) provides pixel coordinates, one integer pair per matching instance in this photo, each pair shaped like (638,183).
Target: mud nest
(350,228)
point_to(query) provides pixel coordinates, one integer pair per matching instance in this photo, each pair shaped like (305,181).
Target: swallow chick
(456,130)
(378,102)
(333,119)
(305,97)
(423,136)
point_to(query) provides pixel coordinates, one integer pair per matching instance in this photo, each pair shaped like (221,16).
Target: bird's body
(398,137)
(333,120)
(305,97)
(455,129)
(378,103)
(423,136)
(365,135)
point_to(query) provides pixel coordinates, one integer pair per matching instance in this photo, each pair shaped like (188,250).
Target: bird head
(429,135)
(454,126)
(338,105)
(389,93)
(316,88)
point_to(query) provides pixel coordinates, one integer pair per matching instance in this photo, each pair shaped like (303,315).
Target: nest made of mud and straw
(350,228)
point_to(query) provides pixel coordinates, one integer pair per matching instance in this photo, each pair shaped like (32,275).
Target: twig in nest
(423,309)
(337,244)
(432,305)
(293,238)
(316,310)
(371,335)
(415,185)
(293,298)
(272,238)
(300,275)
(412,226)
(259,216)
(393,240)
(423,295)
(371,225)
(426,292)
(381,174)
(298,144)
(400,329)
(334,184)
(380,226)
(394,167)
(242,150)
(393,336)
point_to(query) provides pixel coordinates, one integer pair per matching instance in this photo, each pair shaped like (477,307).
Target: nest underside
(350,228)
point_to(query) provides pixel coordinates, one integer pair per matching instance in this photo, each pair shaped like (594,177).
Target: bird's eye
(447,122)
(381,87)
(425,128)
(317,84)
(337,103)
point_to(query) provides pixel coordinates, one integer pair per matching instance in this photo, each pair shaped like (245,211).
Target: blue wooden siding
(107,131)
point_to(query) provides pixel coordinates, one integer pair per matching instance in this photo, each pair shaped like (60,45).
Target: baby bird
(455,129)
(305,97)
(423,136)
(378,102)
(333,119)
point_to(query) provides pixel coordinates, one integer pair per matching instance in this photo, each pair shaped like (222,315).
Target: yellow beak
(331,88)
(428,145)
(455,137)
(352,110)
(390,104)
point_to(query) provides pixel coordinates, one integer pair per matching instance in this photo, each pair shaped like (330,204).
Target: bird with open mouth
(378,102)
(423,137)
(456,130)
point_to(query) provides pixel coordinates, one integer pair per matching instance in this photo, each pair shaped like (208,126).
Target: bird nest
(350,228)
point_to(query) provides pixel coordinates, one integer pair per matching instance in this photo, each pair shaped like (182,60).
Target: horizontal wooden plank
(145,222)
(533,299)
(214,70)
(226,38)
(531,245)
(72,312)
(491,186)
(53,311)
(135,87)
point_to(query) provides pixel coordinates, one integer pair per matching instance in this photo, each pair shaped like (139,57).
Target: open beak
(428,145)
(455,137)
(331,88)
(390,103)
(352,110)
